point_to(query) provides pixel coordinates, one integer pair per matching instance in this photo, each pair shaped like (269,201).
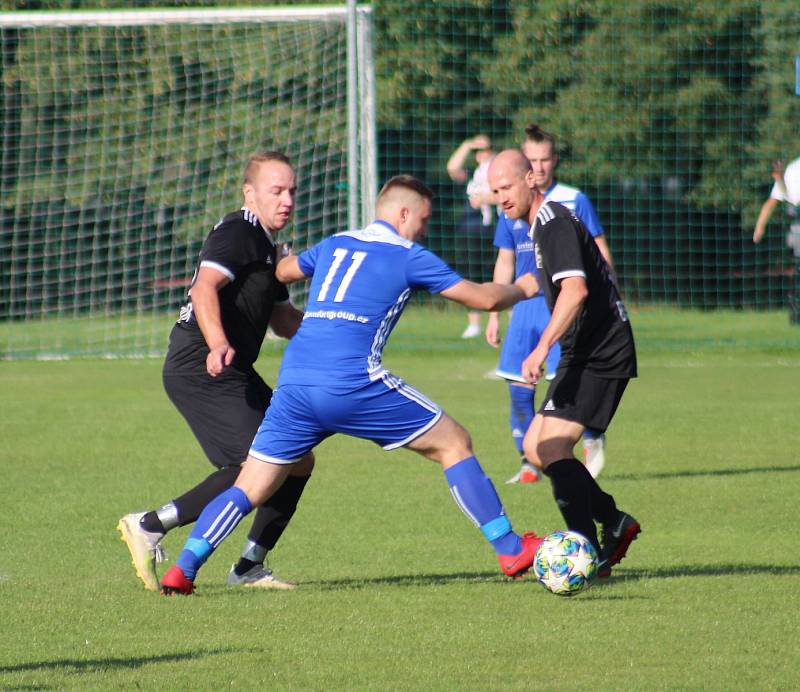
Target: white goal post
(124,138)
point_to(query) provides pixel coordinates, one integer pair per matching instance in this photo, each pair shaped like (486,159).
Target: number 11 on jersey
(339,256)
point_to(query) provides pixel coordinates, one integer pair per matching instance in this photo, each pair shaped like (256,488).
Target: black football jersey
(239,247)
(600,339)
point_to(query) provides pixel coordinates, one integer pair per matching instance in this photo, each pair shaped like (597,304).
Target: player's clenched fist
(219,358)
(532,369)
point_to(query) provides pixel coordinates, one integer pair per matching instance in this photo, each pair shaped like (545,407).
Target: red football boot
(174,582)
(617,538)
(517,565)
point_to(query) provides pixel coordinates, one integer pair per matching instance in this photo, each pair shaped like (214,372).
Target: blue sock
(221,516)
(475,495)
(592,434)
(522,412)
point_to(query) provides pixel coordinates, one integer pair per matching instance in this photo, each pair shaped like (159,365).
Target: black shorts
(224,412)
(580,396)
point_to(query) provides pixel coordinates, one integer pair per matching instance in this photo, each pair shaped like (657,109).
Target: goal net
(124,139)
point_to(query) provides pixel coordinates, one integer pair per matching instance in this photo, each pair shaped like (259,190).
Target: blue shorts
(386,411)
(528,320)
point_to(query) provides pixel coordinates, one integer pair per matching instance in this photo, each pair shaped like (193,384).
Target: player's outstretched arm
(492,296)
(288,270)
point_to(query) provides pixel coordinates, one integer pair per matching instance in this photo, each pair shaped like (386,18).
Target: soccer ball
(565,563)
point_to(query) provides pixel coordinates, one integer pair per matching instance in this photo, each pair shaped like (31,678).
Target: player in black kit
(598,356)
(209,376)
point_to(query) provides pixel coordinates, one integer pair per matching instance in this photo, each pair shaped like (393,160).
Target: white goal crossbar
(177,16)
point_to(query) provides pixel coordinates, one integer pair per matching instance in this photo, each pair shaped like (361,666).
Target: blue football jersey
(578,203)
(360,283)
(513,235)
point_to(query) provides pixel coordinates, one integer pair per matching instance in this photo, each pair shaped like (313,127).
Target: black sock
(573,495)
(193,502)
(273,516)
(604,509)
(243,566)
(150,522)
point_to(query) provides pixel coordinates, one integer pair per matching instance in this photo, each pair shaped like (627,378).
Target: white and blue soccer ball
(565,563)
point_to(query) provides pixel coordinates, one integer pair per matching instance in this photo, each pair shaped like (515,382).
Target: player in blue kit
(332,379)
(515,257)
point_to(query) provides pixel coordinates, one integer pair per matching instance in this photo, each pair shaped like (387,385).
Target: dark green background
(669,115)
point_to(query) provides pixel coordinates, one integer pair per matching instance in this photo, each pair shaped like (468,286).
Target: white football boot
(259,577)
(594,455)
(145,548)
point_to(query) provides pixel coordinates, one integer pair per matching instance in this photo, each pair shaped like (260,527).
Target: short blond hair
(406,182)
(255,160)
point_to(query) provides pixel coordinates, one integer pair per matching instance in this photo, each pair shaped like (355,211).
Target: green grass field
(398,590)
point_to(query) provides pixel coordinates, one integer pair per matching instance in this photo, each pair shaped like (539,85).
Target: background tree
(669,114)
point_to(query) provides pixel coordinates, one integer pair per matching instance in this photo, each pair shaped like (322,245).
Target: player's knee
(459,441)
(260,480)
(553,449)
(447,442)
(530,450)
(464,449)
(304,467)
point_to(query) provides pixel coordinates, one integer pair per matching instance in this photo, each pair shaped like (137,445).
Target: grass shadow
(621,574)
(399,580)
(411,580)
(696,473)
(101,665)
(704,571)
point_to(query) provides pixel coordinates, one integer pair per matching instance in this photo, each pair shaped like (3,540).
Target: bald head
(512,161)
(512,182)
(405,203)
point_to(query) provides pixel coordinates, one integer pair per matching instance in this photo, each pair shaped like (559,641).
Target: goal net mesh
(123,145)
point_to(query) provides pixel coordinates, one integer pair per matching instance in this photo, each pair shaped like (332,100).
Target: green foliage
(700,93)
(159,114)
(668,115)
(775,134)
(429,60)
(639,90)
(398,590)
